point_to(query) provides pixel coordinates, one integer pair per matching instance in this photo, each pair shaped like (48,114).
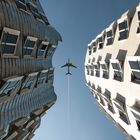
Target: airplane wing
(71,65)
(66,65)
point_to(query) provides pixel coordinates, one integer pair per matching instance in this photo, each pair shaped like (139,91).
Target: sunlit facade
(27,44)
(112,70)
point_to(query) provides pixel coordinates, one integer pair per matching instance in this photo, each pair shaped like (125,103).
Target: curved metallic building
(27,44)
(112,70)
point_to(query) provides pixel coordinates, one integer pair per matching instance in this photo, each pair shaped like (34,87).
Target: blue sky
(78,21)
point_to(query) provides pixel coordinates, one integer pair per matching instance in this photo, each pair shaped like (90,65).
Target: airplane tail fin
(68,73)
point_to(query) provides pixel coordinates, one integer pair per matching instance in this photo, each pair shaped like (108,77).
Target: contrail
(68,107)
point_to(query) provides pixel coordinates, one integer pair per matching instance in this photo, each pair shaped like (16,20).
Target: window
(11,85)
(104,69)
(101,43)
(138,30)
(29,81)
(110,108)
(135,66)
(123,117)
(37,14)
(118,75)
(87,68)
(137,117)
(102,101)
(50,76)
(42,77)
(9,40)
(51,50)
(110,37)
(29,45)
(96,69)
(89,50)
(138,124)
(21,5)
(94,48)
(123,30)
(42,49)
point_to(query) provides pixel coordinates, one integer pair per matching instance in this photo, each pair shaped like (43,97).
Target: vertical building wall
(112,70)
(27,44)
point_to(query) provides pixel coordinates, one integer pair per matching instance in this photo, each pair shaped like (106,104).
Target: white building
(112,69)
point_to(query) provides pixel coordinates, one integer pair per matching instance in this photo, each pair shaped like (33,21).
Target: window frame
(109,37)
(12,32)
(119,70)
(33,39)
(25,89)
(134,59)
(39,49)
(23,4)
(44,81)
(126,29)
(8,80)
(105,72)
(96,69)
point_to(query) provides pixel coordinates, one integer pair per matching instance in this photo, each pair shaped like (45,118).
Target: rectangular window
(96,70)
(123,117)
(89,50)
(94,47)
(100,42)
(51,51)
(29,45)
(29,81)
(110,38)
(138,29)
(135,66)
(42,49)
(9,40)
(105,70)
(118,74)
(21,5)
(11,85)
(42,77)
(110,108)
(123,30)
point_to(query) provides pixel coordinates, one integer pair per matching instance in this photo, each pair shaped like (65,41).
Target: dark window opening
(135,77)
(110,41)
(28,47)
(123,25)
(123,30)
(8,49)
(21,4)
(28,82)
(105,74)
(109,33)
(41,78)
(110,108)
(138,15)
(102,101)
(138,124)
(8,87)
(115,66)
(123,35)
(97,73)
(123,117)
(118,75)
(94,49)
(134,65)
(41,50)
(9,38)
(8,43)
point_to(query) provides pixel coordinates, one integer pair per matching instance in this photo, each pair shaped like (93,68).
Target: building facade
(27,44)
(112,70)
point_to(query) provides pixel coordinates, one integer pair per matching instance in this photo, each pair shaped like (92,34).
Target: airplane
(68,64)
